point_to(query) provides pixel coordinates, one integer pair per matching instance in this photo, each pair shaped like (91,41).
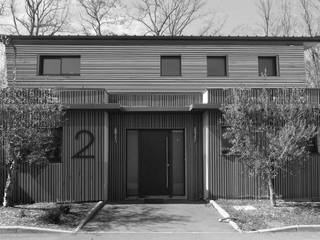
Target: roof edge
(136,40)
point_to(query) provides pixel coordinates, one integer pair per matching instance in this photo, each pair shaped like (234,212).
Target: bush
(52,216)
(65,208)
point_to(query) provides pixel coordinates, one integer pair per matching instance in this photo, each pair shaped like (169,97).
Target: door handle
(167,162)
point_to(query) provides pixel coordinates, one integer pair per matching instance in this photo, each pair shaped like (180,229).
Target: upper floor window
(217,66)
(59,65)
(170,65)
(268,66)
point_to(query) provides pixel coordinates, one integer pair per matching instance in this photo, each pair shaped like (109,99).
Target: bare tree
(172,17)
(41,17)
(265,8)
(2,7)
(310,13)
(287,20)
(101,14)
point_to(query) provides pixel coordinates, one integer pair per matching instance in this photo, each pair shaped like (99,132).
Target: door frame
(185,163)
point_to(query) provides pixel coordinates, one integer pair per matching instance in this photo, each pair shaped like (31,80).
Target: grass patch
(266,216)
(45,215)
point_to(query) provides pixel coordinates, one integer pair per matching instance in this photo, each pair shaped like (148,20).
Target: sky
(241,16)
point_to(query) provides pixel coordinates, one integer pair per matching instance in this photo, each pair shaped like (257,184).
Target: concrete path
(164,218)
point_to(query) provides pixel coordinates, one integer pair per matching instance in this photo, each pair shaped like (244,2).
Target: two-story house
(143,115)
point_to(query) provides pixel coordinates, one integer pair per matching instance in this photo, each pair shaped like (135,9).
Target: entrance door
(153,163)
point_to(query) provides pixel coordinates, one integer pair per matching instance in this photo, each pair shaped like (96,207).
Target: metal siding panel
(73,179)
(228,177)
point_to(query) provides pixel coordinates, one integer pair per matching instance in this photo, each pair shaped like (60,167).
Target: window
(170,66)
(225,143)
(54,153)
(217,66)
(313,144)
(59,65)
(268,66)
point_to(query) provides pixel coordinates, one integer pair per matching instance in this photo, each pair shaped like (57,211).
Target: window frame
(224,151)
(277,65)
(54,56)
(172,56)
(59,136)
(226,69)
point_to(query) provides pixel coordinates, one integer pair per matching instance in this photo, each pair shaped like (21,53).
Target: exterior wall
(227,178)
(137,67)
(193,146)
(2,174)
(74,179)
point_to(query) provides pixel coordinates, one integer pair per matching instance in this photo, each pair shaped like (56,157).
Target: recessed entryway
(155,163)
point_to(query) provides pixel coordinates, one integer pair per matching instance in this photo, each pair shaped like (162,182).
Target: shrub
(65,208)
(52,216)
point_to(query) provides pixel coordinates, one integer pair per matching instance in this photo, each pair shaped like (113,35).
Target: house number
(80,153)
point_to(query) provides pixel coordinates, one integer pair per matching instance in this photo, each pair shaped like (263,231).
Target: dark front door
(153,162)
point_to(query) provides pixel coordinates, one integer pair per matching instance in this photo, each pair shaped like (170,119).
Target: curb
(23,229)
(225,215)
(294,228)
(90,215)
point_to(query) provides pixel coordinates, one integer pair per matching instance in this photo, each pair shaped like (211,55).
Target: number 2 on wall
(80,153)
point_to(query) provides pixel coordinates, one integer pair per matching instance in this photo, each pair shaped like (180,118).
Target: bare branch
(265,8)
(99,15)
(3,6)
(171,17)
(41,17)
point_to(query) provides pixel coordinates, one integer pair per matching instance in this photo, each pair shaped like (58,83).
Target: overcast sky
(241,18)
(241,15)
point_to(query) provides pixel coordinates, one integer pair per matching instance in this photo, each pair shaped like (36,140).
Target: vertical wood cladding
(74,179)
(117,138)
(156,99)
(137,68)
(228,177)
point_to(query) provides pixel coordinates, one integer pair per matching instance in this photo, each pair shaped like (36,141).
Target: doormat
(154,200)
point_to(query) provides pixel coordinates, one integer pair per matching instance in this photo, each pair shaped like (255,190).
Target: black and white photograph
(160,119)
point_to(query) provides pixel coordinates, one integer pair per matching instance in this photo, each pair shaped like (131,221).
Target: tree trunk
(8,191)
(271,192)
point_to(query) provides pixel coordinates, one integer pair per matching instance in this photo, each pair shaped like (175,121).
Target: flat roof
(160,40)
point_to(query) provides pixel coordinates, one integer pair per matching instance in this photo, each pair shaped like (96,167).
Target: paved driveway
(166,218)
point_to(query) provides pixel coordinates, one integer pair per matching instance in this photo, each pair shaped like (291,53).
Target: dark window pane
(226,144)
(54,153)
(313,145)
(51,66)
(267,66)
(216,66)
(170,66)
(71,65)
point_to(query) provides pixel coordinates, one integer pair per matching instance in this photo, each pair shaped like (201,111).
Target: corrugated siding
(2,174)
(156,99)
(82,96)
(80,179)
(228,177)
(137,68)
(75,179)
(124,121)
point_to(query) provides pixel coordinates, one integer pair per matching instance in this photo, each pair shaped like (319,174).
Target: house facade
(143,118)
